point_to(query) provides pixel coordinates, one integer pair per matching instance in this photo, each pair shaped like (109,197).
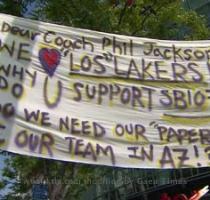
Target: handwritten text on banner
(84,96)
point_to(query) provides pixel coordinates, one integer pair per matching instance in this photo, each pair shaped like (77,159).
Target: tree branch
(122,13)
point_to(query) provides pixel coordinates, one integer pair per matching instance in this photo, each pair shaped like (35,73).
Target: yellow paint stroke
(205,106)
(2,142)
(197,120)
(155,84)
(76,67)
(44,45)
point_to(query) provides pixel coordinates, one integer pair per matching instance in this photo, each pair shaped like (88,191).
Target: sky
(2,158)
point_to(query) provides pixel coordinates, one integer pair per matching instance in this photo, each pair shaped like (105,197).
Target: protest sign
(90,97)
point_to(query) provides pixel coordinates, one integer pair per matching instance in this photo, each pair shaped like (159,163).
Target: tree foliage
(64,180)
(165,19)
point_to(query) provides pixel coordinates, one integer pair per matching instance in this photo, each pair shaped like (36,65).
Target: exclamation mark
(196,154)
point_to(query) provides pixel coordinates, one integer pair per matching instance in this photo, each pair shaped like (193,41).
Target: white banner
(84,96)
